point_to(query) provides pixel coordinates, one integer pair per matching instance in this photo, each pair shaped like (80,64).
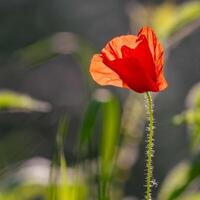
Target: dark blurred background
(38,59)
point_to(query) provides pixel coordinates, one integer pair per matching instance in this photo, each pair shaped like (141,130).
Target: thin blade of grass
(87,127)
(109,143)
(55,191)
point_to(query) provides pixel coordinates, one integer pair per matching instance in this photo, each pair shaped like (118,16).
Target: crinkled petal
(155,46)
(134,62)
(157,52)
(136,68)
(102,74)
(112,49)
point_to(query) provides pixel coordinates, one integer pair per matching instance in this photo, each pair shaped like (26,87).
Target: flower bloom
(131,61)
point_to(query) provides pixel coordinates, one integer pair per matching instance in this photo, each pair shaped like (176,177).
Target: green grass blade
(57,192)
(110,136)
(109,143)
(14,101)
(105,102)
(87,127)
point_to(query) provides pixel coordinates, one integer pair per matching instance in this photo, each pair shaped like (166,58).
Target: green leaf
(108,143)
(24,192)
(179,179)
(62,186)
(61,43)
(36,53)
(108,104)
(169,18)
(191,117)
(110,135)
(14,101)
(59,191)
(193,196)
(87,127)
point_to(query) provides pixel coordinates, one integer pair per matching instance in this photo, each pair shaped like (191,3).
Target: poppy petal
(156,48)
(137,68)
(134,62)
(112,50)
(157,52)
(102,74)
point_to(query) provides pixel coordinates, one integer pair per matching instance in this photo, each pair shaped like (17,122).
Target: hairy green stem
(149,147)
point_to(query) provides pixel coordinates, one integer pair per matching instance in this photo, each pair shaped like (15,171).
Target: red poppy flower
(131,61)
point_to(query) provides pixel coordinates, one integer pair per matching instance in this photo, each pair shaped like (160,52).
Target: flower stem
(149,147)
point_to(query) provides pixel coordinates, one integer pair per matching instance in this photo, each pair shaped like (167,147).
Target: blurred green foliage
(182,178)
(36,53)
(107,104)
(114,139)
(183,181)
(13,101)
(169,18)
(87,128)
(61,187)
(191,117)
(109,142)
(24,192)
